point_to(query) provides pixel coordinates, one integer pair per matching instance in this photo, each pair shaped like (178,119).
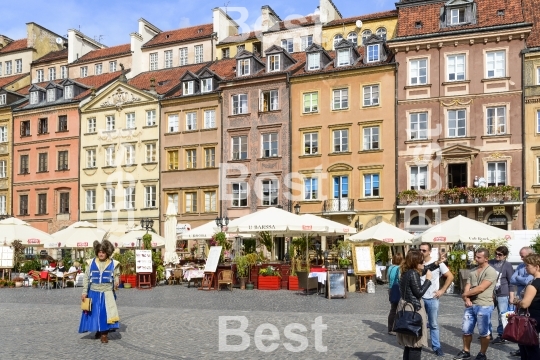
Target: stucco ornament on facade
(457,102)
(119,99)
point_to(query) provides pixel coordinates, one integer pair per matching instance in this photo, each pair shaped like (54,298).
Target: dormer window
(458,12)
(68,92)
(314,61)
(344,57)
(273,63)
(51,96)
(365,35)
(457,16)
(206,85)
(373,53)
(243,67)
(34,97)
(381,32)
(3,99)
(187,88)
(337,39)
(353,37)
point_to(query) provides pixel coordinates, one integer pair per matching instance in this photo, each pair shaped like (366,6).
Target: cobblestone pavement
(176,322)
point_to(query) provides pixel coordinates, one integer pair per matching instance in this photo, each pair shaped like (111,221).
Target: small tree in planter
(242,268)
(269,279)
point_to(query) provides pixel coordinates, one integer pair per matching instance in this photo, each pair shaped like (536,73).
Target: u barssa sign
(262,227)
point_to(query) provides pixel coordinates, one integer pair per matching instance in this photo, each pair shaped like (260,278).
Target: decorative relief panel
(119,99)
(4,149)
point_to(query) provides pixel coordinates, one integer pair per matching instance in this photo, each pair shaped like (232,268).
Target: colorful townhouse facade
(459,93)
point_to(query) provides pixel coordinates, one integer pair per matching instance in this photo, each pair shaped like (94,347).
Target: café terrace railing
(463,195)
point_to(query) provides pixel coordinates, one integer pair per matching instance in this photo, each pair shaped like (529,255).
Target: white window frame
(63,72)
(173,199)
(84,71)
(496,120)
(3,169)
(239,147)
(311,138)
(191,201)
(150,117)
(209,119)
(207,85)
(538,121)
(269,192)
(418,177)
(496,171)
(98,69)
(153,61)
(210,201)
(188,87)
(305,42)
(91,125)
(183,56)
(110,156)
(455,15)
(191,158)
(240,104)
(371,95)
(112,66)
(538,170)
(288,45)
(272,101)
(191,121)
(274,63)
(51,95)
(209,157)
(90,200)
(243,67)
(369,185)
(457,130)
(151,153)
(168,59)
(365,35)
(495,64)
(130,120)
(9,67)
(39,75)
(341,61)
(172,123)
(381,32)
(538,75)
(371,138)
(340,139)
(129,157)
(340,99)
(18,66)
(311,188)
(34,97)
(353,37)
(314,61)
(68,92)
(455,67)
(373,53)
(313,103)
(415,72)
(90,158)
(337,39)
(150,196)
(2,99)
(110,123)
(129,198)
(199,54)
(3,211)
(270,145)
(416,120)
(110,199)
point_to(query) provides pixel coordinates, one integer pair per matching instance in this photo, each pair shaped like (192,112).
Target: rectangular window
(371,138)
(496,175)
(341,140)
(39,76)
(99,69)
(341,187)
(240,48)
(496,64)
(371,185)
(191,121)
(456,123)
(3,168)
(269,100)
(311,189)
(311,143)
(110,199)
(225,53)
(62,160)
(306,42)
(314,61)
(91,125)
(23,204)
(91,158)
(63,72)
(239,147)
(25,128)
(90,200)
(206,85)
(172,158)
(129,154)
(269,192)
(191,202)
(373,53)
(270,145)
(24,164)
(496,120)
(64,203)
(110,123)
(183,56)
(2,99)
(538,121)
(8,68)
(209,119)
(457,16)
(18,66)
(43,160)
(0,68)
(418,71)
(68,92)
(173,123)
(538,170)
(62,123)
(129,197)
(3,208)
(153,61)
(34,97)
(288,45)
(239,194)
(455,67)
(273,63)
(191,159)
(371,95)
(42,204)
(130,121)
(112,66)
(151,153)
(199,54)
(150,196)
(210,201)
(168,59)
(418,177)
(209,157)
(150,117)
(418,126)
(240,105)
(51,95)
(343,57)
(311,102)
(110,156)
(84,71)
(173,199)
(538,75)
(187,88)
(3,134)
(340,99)
(243,67)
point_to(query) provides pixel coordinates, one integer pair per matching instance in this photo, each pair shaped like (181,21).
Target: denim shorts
(474,315)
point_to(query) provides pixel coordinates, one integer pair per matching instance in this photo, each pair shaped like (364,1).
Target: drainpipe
(158,146)
(288,86)
(396,168)
(79,192)
(523,145)
(221,132)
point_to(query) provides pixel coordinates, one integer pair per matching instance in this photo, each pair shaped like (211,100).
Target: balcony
(338,207)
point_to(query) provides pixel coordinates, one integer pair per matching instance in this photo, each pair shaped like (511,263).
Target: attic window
(457,16)
(200,31)
(165,82)
(418,24)
(500,12)
(167,36)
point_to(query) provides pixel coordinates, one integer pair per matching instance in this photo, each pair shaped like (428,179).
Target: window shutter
(261,101)
(473,14)
(468,14)
(442,17)
(22,128)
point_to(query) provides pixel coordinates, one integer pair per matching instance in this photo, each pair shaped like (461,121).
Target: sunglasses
(499,254)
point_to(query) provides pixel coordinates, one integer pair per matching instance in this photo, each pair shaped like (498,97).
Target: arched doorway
(498,221)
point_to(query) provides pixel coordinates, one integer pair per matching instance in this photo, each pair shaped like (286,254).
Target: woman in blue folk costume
(101,278)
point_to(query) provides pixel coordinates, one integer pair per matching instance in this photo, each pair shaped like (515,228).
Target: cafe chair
(225,278)
(307,283)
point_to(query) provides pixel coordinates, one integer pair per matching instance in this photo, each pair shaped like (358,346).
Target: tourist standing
(478,298)
(504,292)
(393,280)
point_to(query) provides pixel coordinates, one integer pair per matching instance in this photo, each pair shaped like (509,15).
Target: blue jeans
(432,311)
(477,315)
(502,307)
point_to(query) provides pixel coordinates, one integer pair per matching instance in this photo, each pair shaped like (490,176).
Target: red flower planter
(131,279)
(293,283)
(269,283)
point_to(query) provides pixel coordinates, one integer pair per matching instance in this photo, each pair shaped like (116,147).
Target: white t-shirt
(435,275)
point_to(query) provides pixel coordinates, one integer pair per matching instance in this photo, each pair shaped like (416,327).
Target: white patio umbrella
(129,240)
(170,236)
(462,228)
(207,231)
(15,229)
(384,232)
(81,234)
(333,227)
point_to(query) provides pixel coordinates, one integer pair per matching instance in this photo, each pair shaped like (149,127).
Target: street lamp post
(297,209)
(147,224)
(222,222)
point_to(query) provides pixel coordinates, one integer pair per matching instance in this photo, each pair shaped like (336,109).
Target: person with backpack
(393,290)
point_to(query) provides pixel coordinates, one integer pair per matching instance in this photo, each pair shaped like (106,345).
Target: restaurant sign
(439,239)
(388,240)
(33,241)
(82,244)
(307,227)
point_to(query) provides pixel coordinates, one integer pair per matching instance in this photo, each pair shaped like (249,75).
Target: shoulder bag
(521,329)
(408,322)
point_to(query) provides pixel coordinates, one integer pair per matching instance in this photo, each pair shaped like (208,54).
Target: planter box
(293,283)
(130,279)
(269,283)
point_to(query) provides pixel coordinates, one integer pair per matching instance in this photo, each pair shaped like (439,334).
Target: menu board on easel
(363,258)
(213,259)
(6,257)
(336,281)
(143,261)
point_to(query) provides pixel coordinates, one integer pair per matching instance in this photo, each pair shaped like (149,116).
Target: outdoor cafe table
(320,274)
(195,274)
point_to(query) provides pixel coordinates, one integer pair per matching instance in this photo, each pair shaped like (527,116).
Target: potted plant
(10,284)
(242,268)
(18,281)
(2,283)
(251,260)
(269,279)
(296,265)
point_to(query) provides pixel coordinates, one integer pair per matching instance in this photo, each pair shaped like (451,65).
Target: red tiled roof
(52,56)
(373,16)
(6,80)
(168,78)
(15,45)
(532,15)
(178,35)
(112,51)
(24,90)
(295,23)
(429,15)
(241,37)
(96,81)
(225,68)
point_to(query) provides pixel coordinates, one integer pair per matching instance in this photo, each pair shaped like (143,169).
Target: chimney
(153,86)
(268,18)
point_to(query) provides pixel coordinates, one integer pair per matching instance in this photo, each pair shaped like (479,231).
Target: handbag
(521,329)
(86,304)
(408,322)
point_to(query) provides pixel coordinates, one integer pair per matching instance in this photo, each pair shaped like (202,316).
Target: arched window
(353,37)
(382,33)
(337,39)
(365,35)
(417,219)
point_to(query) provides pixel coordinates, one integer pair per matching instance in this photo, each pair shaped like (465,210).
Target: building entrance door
(457,175)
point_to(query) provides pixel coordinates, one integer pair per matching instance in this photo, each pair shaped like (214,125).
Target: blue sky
(112,21)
